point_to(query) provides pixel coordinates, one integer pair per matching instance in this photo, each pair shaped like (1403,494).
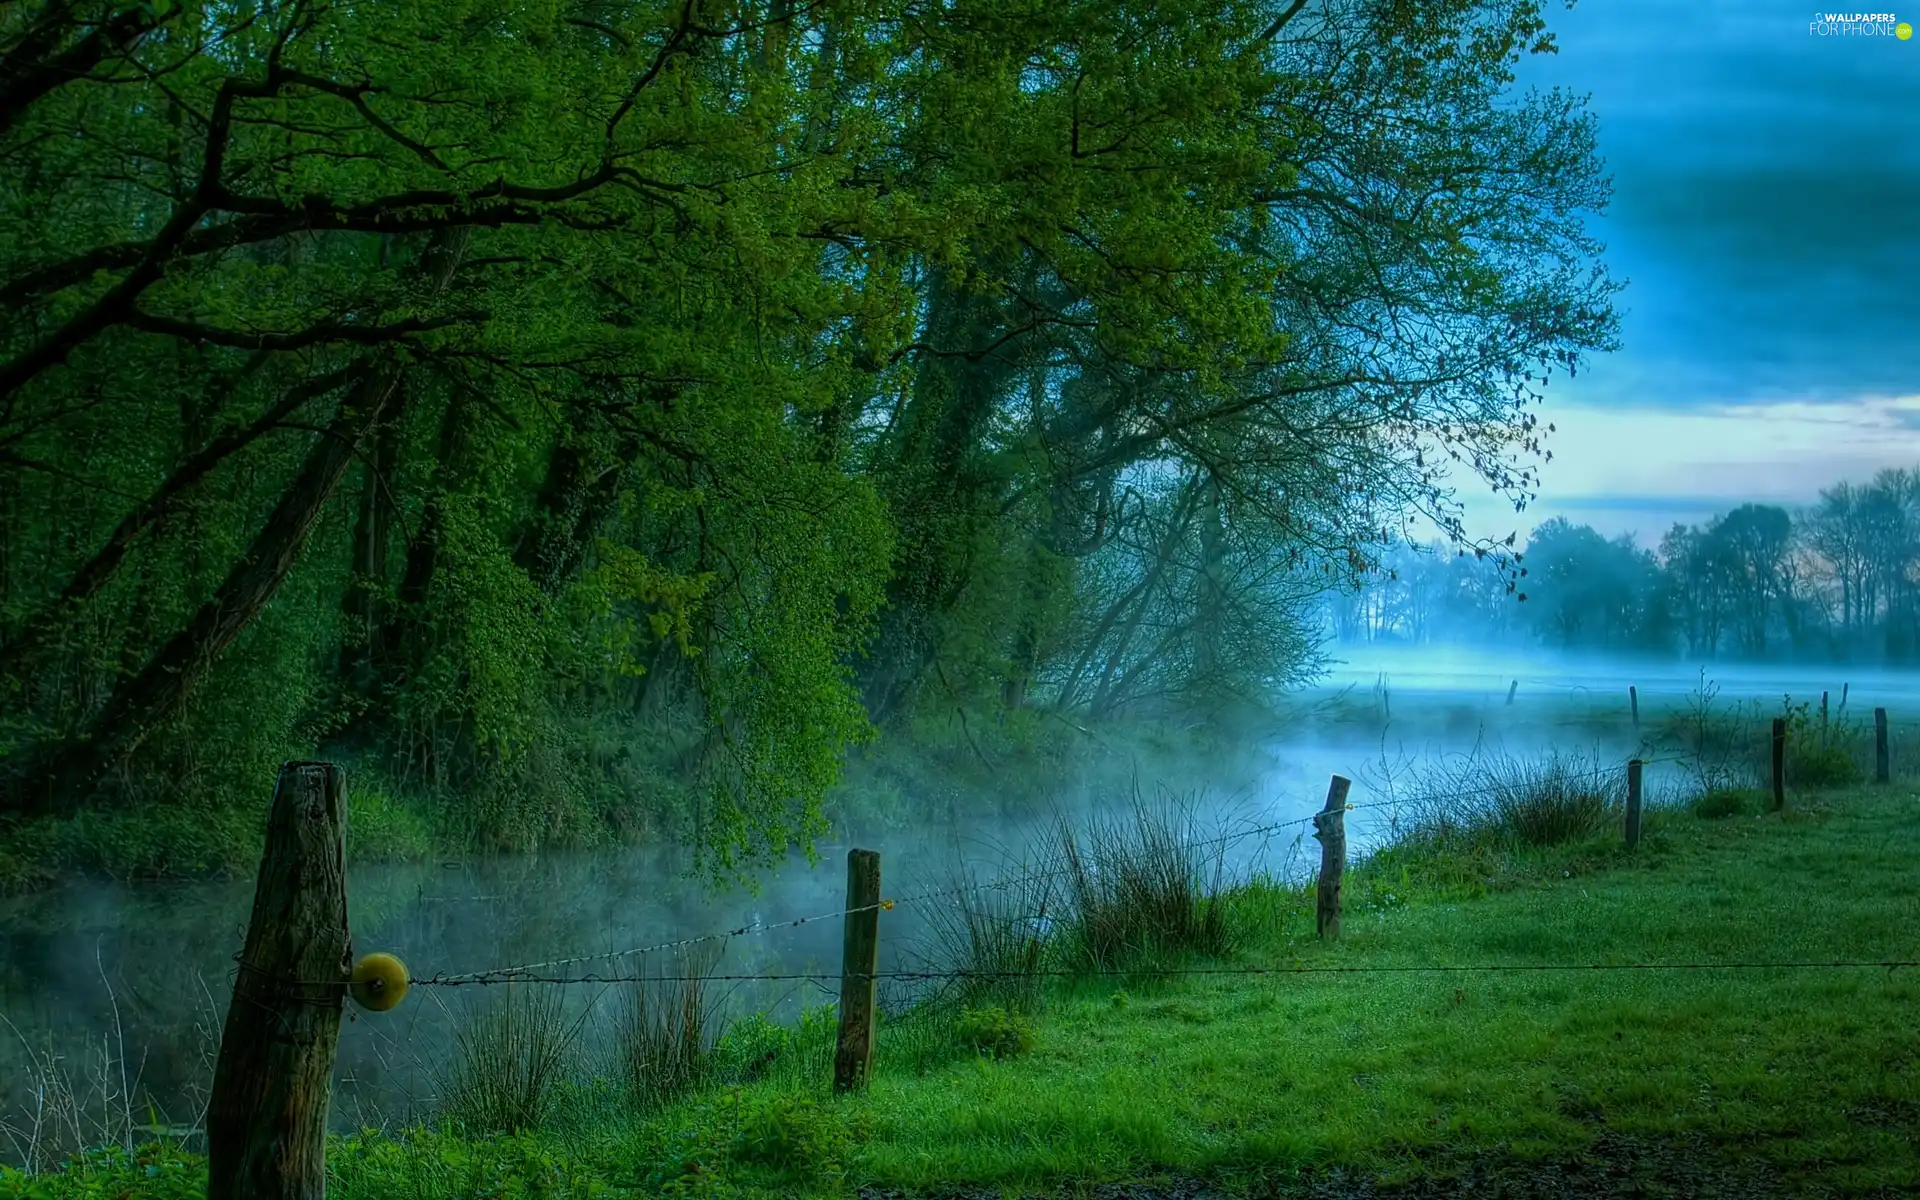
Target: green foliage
(743,1139)
(152,1171)
(994,1032)
(1722,803)
(1143,887)
(596,428)
(750,1047)
(433,1165)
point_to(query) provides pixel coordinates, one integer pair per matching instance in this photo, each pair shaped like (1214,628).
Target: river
(136,976)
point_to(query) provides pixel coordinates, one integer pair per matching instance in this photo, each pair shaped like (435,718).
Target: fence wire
(536,972)
(1888,965)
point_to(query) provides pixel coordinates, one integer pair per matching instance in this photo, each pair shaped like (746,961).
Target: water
(142,972)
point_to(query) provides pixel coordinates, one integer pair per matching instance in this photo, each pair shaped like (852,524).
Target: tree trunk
(171,675)
(935,485)
(367,579)
(580,492)
(99,570)
(62,776)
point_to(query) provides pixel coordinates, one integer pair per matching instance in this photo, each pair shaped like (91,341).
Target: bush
(994,1032)
(1721,803)
(1822,753)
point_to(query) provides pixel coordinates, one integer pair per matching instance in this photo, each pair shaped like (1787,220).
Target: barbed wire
(1159,972)
(529,972)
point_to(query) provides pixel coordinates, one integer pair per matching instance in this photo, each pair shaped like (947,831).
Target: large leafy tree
(491,390)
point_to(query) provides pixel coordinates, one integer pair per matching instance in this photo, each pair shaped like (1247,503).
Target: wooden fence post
(1843,696)
(1823,716)
(1511,690)
(1880,771)
(1633,702)
(1633,802)
(1779,763)
(860,961)
(1330,826)
(267,1114)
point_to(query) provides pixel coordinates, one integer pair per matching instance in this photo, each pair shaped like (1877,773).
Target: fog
(93,967)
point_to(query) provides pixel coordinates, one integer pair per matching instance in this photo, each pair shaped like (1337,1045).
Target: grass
(667,1032)
(1277,1081)
(1141,886)
(510,1066)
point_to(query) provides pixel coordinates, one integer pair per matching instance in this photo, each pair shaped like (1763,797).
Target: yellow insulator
(379,982)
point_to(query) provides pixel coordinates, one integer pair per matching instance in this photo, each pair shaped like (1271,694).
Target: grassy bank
(1371,1075)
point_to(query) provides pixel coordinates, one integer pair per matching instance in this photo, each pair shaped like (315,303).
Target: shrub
(1721,803)
(994,1032)
(1822,753)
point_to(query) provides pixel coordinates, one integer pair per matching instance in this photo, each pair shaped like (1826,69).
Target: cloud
(1634,469)
(1767,201)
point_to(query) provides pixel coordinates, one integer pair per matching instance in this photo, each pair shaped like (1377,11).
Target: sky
(1766,218)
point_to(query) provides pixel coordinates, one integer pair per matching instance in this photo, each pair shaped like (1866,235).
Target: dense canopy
(587,410)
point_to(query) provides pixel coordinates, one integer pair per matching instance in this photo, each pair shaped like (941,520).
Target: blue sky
(1766,215)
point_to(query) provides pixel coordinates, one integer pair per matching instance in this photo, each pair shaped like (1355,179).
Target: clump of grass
(1721,803)
(756,1142)
(994,938)
(749,1048)
(1822,752)
(1503,801)
(994,1032)
(509,1065)
(1143,886)
(667,1030)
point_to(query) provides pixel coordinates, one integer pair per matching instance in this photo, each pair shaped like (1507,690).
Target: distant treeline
(1839,580)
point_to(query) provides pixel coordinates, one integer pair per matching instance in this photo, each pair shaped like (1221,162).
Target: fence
(267,1116)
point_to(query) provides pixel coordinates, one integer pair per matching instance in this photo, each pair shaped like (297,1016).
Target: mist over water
(155,961)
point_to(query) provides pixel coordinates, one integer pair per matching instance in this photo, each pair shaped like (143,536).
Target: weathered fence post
(1511,690)
(1779,763)
(1823,716)
(1633,702)
(1880,771)
(1633,802)
(1330,826)
(860,961)
(1843,696)
(267,1114)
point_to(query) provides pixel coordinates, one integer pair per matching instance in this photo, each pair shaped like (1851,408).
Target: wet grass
(1348,1057)
(1812,1075)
